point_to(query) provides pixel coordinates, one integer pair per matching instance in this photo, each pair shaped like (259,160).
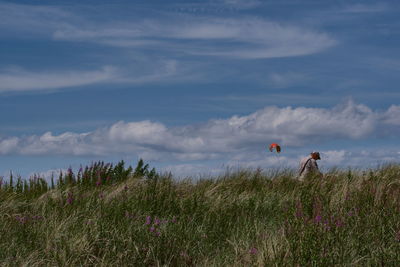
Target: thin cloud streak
(246,38)
(18,80)
(22,80)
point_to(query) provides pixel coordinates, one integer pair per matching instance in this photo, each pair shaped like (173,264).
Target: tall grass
(109,215)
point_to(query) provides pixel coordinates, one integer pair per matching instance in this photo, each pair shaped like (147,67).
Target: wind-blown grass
(109,215)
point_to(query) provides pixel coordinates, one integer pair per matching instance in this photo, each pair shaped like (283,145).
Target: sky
(198,87)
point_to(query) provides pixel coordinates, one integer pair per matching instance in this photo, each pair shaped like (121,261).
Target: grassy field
(107,215)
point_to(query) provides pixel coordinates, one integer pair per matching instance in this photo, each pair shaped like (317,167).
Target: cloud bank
(217,138)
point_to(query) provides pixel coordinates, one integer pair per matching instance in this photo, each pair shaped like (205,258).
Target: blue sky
(196,86)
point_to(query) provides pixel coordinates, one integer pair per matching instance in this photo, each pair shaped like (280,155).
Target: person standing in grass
(309,166)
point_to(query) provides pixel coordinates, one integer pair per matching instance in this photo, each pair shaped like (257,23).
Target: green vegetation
(112,215)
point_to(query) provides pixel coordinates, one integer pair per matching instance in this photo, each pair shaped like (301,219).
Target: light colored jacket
(307,166)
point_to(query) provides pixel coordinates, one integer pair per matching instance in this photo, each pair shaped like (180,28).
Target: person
(309,166)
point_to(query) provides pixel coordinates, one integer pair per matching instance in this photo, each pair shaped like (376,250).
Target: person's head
(315,155)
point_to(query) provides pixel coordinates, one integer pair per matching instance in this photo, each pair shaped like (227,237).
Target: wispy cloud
(17,79)
(239,38)
(182,34)
(366,8)
(282,80)
(32,19)
(241,4)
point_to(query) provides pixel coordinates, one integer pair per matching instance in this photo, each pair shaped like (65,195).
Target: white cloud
(241,4)
(216,139)
(32,19)
(22,80)
(392,116)
(363,8)
(240,38)
(8,145)
(194,171)
(334,157)
(282,80)
(16,79)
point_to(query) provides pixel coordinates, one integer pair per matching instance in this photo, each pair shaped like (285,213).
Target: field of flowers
(112,215)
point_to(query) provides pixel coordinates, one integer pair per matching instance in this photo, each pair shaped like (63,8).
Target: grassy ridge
(110,215)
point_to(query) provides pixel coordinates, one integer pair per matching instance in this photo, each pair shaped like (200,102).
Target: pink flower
(339,223)
(70,198)
(398,236)
(148,220)
(318,219)
(350,213)
(184,254)
(253,251)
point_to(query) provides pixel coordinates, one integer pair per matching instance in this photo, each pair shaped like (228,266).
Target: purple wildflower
(184,254)
(70,198)
(299,214)
(148,220)
(22,219)
(339,223)
(350,213)
(398,236)
(157,221)
(173,220)
(152,229)
(158,233)
(318,219)
(253,251)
